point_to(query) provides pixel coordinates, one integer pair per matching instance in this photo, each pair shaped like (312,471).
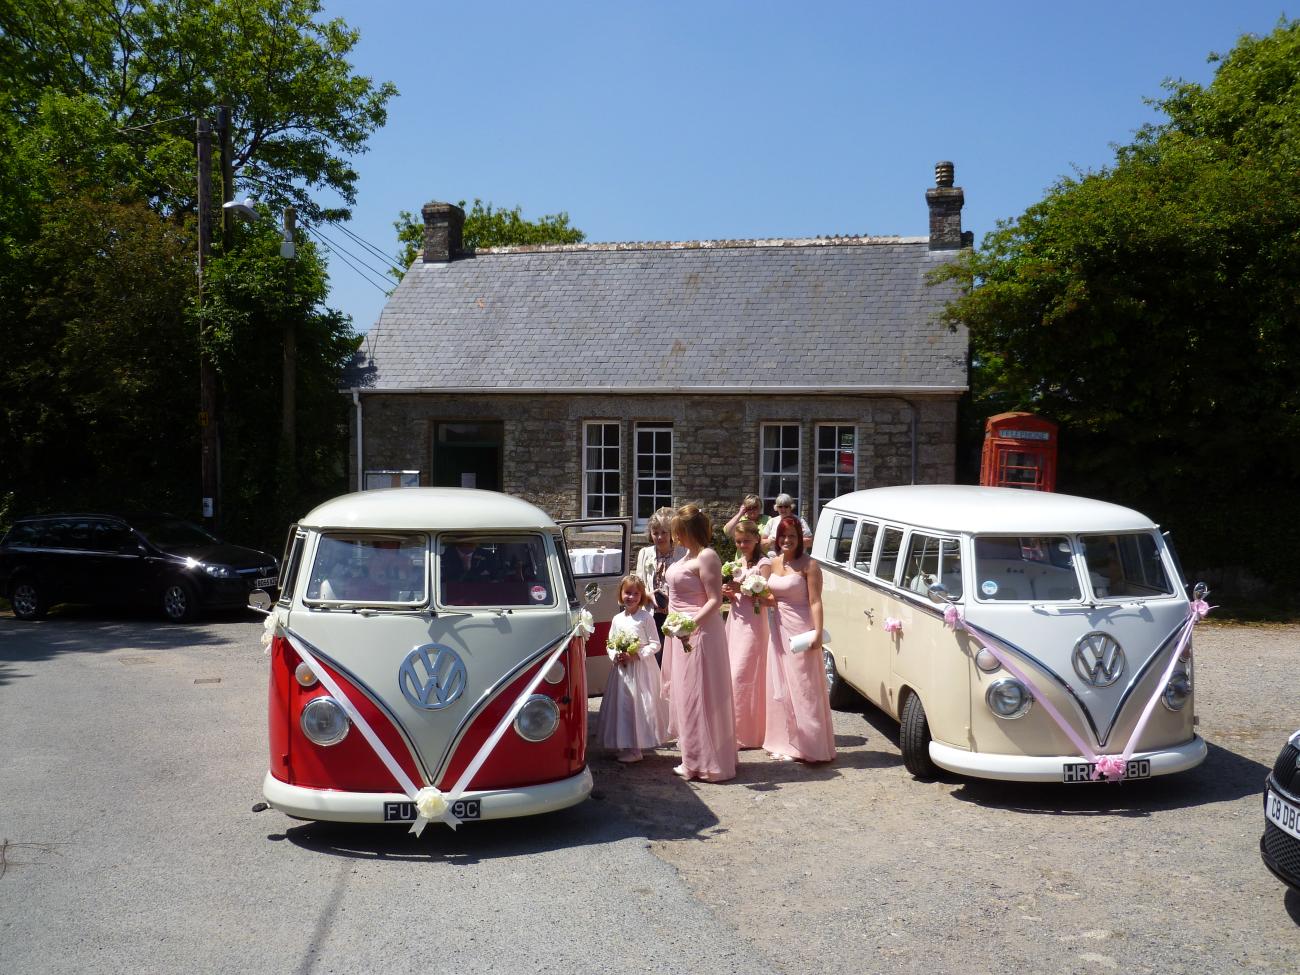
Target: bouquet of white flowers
(681,626)
(732,569)
(623,642)
(754,586)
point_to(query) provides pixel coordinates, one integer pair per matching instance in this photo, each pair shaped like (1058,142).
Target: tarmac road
(134,751)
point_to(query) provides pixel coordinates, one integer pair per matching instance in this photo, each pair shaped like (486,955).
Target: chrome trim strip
(1137,679)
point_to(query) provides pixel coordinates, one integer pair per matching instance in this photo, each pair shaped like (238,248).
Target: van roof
(426,509)
(989,510)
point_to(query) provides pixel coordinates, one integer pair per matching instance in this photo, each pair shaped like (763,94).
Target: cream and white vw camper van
(1014,634)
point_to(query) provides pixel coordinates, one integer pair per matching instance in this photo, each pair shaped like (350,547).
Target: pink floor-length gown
(798,706)
(747,646)
(700,698)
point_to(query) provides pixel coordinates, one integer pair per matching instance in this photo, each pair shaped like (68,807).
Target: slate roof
(851,313)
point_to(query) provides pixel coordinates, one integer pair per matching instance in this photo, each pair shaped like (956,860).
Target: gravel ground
(859,867)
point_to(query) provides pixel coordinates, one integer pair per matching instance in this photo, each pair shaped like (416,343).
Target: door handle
(867,613)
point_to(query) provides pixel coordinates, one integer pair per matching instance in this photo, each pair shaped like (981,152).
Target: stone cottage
(598,380)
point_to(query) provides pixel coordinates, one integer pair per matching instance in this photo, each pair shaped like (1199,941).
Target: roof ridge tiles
(854,240)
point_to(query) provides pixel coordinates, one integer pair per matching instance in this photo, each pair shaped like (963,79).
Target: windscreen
(1019,567)
(369,569)
(1125,565)
(493,570)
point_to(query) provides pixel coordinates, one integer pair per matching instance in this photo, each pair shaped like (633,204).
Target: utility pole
(208,432)
(289,377)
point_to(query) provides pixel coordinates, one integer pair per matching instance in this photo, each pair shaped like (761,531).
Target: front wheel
(842,696)
(179,603)
(914,738)
(28,600)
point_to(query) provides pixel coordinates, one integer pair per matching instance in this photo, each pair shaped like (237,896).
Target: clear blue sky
(703,120)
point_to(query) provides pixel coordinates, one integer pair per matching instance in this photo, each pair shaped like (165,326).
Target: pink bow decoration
(1201,608)
(1110,766)
(952,617)
(892,625)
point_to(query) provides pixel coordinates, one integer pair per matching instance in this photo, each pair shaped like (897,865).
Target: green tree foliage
(487,226)
(1153,309)
(98,108)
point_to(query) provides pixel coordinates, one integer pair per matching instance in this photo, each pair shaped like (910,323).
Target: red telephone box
(1019,452)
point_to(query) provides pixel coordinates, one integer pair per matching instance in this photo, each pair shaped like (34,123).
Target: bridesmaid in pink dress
(747,640)
(798,705)
(700,703)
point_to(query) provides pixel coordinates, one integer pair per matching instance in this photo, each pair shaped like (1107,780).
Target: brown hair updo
(690,523)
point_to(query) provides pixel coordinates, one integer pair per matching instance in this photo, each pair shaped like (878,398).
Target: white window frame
(617,470)
(651,427)
(375,479)
(819,501)
(764,473)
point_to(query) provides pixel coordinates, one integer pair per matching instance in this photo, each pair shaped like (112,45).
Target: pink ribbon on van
(1111,767)
(431,803)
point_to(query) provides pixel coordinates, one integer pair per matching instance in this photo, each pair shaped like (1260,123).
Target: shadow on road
(1225,776)
(86,629)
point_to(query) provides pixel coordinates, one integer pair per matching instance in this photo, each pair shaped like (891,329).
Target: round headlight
(538,718)
(985,660)
(556,673)
(1177,692)
(1008,698)
(304,675)
(324,722)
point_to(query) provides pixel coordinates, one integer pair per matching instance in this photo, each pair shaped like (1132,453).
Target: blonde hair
(663,517)
(747,526)
(632,579)
(693,524)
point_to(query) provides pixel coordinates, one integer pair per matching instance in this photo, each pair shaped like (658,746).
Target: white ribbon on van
(1112,767)
(430,802)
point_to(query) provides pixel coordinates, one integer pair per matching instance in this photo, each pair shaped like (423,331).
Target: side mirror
(938,593)
(1200,590)
(591,595)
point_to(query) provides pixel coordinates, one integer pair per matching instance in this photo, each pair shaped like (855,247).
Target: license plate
(404,812)
(1138,768)
(1284,815)
(266,582)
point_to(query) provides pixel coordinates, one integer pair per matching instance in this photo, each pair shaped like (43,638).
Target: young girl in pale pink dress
(633,715)
(700,702)
(747,640)
(798,721)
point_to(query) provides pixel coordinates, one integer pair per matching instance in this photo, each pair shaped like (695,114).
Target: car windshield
(493,570)
(169,533)
(369,569)
(1125,565)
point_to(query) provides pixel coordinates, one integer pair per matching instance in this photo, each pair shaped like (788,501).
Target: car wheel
(28,600)
(179,603)
(914,738)
(842,696)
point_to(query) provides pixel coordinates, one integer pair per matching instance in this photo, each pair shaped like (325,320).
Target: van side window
(1011,567)
(866,546)
(842,539)
(887,564)
(932,559)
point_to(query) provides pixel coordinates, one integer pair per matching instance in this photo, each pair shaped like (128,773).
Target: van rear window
(1038,568)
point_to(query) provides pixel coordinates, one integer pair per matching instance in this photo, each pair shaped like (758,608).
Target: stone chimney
(443,226)
(945,202)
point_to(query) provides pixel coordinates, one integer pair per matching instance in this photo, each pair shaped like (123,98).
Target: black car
(149,559)
(1280,844)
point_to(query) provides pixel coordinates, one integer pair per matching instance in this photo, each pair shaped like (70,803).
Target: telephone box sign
(1019,452)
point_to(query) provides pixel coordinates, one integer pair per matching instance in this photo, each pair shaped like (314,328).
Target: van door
(599,551)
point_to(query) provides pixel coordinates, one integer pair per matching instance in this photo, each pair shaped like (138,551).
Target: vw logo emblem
(432,676)
(1098,659)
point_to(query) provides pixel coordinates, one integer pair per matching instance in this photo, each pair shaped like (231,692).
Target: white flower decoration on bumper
(430,805)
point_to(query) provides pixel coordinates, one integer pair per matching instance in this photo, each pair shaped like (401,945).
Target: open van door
(599,551)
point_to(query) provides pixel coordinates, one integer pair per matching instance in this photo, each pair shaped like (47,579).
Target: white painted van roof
(987,510)
(426,509)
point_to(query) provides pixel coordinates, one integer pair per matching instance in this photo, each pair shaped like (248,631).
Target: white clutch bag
(802,641)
